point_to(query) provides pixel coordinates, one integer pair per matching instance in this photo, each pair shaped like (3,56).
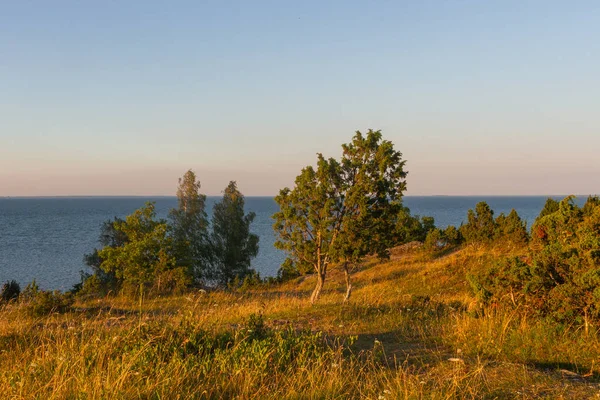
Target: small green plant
(256,327)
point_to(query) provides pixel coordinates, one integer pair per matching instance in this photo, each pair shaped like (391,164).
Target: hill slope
(411,330)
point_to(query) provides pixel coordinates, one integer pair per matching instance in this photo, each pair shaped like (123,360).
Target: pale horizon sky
(121,98)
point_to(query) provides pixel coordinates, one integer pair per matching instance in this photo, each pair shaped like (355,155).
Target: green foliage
(10,291)
(189,228)
(591,204)
(42,302)
(256,327)
(438,239)
(480,226)
(511,229)
(411,228)
(478,289)
(31,290)
(550,207)
(290,270)
(435,240)
(233,246)
(342,210)
(146,256)
(91,286)
(453,236)
(100,281)
(561,276)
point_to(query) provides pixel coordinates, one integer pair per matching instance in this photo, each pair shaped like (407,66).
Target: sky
(123,97)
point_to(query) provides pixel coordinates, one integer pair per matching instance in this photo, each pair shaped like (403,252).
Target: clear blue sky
(122,97)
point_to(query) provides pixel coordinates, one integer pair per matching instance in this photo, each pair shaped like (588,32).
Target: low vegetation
(172,309)
(413,329)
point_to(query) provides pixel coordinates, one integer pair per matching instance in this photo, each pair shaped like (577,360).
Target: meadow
(411,330)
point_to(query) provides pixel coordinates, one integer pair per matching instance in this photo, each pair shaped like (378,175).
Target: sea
(46,238)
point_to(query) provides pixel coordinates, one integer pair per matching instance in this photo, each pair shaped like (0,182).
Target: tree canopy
(146,257)
(233,245)
(189,228)
(342,210)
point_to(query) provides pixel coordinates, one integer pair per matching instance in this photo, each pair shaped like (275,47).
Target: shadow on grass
(446,252)
(570,371)
(115,311)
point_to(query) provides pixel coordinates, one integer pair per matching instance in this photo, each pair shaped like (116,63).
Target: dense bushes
(482,229)
(438,239)
(480,226)
(511,229)
(36,302)
(156,256)
(561,275)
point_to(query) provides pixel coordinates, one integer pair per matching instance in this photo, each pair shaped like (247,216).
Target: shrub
(438,239)
(10,291)
(511,229)
(435,240)
(47,302)
(31,290)
(171,281)
(453,236)
(551,206)
(561,277)
(480,226)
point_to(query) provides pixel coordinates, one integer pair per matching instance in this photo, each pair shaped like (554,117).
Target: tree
(146,258)
(342,210)
(480,226)
(233,246)
(411,228)
(189,227)
(435,240)
(551,206)
(452,236)
(512,229)
(100,281)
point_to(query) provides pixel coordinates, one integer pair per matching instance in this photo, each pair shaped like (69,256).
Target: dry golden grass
(409,331)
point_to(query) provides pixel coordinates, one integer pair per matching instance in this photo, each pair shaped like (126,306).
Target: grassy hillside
(412,329)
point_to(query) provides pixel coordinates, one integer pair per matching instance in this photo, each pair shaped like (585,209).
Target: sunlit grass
(411,330)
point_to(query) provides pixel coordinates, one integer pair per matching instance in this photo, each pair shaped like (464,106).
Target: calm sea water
(45,238)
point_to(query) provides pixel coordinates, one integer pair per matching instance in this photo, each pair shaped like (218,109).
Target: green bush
(480,226)
(47,302)
(453,236)
(10,291)
(438,239)
(561,276)
(511,229)
(435,240)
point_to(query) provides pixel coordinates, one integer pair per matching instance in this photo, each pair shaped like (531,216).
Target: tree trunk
(318,288)
(348,283)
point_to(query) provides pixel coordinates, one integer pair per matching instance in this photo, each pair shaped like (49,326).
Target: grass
(411,330)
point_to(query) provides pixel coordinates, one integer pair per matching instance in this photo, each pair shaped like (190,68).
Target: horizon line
(272,196)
